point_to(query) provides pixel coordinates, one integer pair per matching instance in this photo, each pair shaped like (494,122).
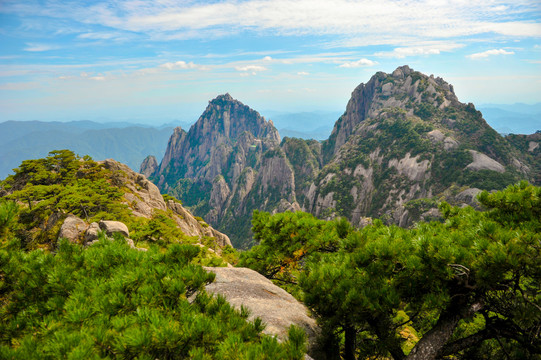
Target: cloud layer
(427,19)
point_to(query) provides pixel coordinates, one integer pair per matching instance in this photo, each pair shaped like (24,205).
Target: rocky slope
(405,136)
(404,143)
(74,198)
(243,287)
(228,164)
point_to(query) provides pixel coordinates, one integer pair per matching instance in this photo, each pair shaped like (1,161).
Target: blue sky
(155,61)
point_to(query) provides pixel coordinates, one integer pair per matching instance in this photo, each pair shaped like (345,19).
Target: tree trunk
(433,341)
(351,335)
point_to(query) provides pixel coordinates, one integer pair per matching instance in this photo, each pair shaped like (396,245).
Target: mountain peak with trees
(404,143)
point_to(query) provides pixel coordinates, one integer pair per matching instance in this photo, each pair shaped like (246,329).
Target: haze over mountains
(404,136)
(129,144)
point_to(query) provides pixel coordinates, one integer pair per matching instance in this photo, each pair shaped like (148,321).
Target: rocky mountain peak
(226,116)
(404,88)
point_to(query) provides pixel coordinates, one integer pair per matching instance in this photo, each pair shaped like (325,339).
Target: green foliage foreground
(467,288)
(110,301)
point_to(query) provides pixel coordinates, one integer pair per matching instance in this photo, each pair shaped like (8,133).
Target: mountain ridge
(404,136)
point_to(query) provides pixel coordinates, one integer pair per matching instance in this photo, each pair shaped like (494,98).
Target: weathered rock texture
(73,228)
(143,198)
(149,165)
(228,165)
(403,136)
(276,307)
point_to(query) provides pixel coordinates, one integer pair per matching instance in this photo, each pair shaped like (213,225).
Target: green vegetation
(467,288)
(48,189)
(111,301)
(108,300)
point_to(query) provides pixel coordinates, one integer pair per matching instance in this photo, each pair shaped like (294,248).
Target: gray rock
(436,136)
(483,162)
(73,228)
(112,227)
(277,308)
(450,143)
(469,196)
(92,232)
(149,166)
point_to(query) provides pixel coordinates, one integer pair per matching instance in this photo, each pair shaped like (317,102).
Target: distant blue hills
(130,143)
(125,142)
(513,119)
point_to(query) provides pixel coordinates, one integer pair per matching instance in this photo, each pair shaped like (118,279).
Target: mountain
(513,119)
(21,140)
(228,164)
(305,125)
(404,143)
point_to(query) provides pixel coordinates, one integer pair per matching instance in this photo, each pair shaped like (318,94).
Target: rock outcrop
(403,136)
(276,307)
(73,228)
(226,166)
(149,166)
(143,199)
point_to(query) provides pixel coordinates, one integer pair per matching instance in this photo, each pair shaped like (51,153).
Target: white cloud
(267,58)
(251,68)
(488,53)
(303,73)
(420,49)
(40,47)
(422,19)
(97,36)
(179,65)
(358,63)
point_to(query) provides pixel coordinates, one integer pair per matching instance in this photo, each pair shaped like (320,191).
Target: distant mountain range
(404,143)
(129,144)
(513,119)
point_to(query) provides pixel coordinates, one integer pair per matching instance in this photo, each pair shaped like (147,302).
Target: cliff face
(403,137)
(228,164)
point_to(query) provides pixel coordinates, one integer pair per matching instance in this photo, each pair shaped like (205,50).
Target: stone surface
(396,141)
(73,228)
(143,196)
(483,162)
(149,166)
(112,227)
(92,232)
(192,227)
(469,196)
(277,308)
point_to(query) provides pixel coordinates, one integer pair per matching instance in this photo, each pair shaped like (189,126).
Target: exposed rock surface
(483,162)
(143,199)
(92,232)
(142,195)
(73,228)
(228,164)
(149,166)
(113,227)
(468,197)
(403,136)
(277,308)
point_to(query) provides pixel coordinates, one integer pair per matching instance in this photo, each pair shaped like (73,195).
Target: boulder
(111,227)
(92,232)
(277,308)
(483,162)
(73,228)
(469,197)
